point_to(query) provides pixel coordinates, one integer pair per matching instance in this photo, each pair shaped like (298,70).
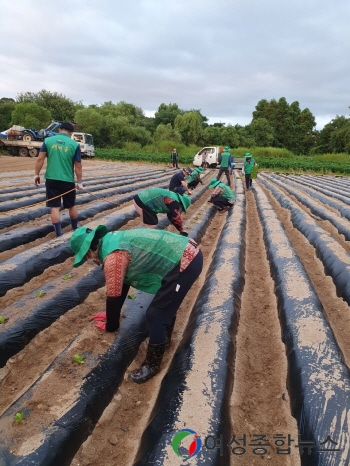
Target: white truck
(22,142)
(213,157)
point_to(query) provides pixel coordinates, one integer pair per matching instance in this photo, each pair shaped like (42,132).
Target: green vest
(224,159)
(154,253)
(192,175)
(60,157)
(154,199)
(228,193)
(248,167)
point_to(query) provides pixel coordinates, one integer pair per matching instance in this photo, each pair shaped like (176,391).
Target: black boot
(169,332)
(151,364)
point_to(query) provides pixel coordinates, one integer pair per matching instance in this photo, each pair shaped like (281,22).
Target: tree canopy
(275,123)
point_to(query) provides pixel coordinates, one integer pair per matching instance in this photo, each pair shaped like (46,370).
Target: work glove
(100,317)
(36,180)
(101,326)
(79,185)
(183,233)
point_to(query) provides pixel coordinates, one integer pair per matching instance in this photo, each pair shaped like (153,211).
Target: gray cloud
(221,56)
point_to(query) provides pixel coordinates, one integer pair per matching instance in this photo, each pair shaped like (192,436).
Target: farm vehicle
(27,142)
(213,157)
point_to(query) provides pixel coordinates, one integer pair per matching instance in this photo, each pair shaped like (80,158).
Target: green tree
(262,132)
(31,115)
(60,107)
(212,135)
(166,133)
(292,128)
(189,126)
(91,121)
(6,108)
(167,114)
(230,136)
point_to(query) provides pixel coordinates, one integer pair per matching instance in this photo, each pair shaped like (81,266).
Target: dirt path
(43,378)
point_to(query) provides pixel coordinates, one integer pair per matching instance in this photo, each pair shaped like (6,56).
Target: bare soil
(259,400)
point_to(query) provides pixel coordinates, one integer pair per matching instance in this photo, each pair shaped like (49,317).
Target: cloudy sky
(220,56)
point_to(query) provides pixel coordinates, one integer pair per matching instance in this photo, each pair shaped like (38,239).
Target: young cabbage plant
(78,358)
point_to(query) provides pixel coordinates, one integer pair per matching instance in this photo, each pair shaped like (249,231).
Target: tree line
(275,123)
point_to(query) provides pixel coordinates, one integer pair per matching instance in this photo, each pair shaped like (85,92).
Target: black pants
(221,202)
(193,184)
(175,163)
(174,288)
(248,180)
(224,170)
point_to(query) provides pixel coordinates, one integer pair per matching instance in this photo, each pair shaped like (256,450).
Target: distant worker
(205,163)
(222,197)
(63,159)
(195,178)
(150,202)
(247,169)
(224,164)
(178,183)
(153,261)
(174,157)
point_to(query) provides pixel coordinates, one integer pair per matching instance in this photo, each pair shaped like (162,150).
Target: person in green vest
(222,197)
(150,202)
(194,178)
(224,164)
(63,159)
(248,165)
(174,157)
(154,261)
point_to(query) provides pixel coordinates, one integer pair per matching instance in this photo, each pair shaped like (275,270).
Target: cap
(67,126)
(248,155)
(187,170)
(213,183)
(81,240)
(226,148)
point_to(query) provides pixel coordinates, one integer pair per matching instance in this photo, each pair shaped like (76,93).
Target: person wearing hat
(174,157)
(222,197)
(150,202)
(195,178)
(63,159)
(178,183)
(248,165)
(224,164)
(153,261)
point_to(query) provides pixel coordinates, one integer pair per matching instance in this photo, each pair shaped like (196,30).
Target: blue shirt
(176,180)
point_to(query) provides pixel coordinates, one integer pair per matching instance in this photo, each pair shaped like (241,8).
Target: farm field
(258,365)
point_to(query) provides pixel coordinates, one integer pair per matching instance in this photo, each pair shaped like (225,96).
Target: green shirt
(154,253)
(224,159)
(61,153)
(228,193)
(248,167)
(192,176)
(153,198)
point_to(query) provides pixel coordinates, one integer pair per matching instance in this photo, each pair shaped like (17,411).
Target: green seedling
(3,320)
(78,358)
(19,417)
(67,276)
(40,294)
(132,296)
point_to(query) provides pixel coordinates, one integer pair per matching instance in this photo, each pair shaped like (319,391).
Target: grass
(269,158)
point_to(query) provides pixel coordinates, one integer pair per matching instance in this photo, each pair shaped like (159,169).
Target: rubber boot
(151,364)
(169,332)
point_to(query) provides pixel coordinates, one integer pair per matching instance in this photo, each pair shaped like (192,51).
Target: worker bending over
(150,202)
(154,261)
